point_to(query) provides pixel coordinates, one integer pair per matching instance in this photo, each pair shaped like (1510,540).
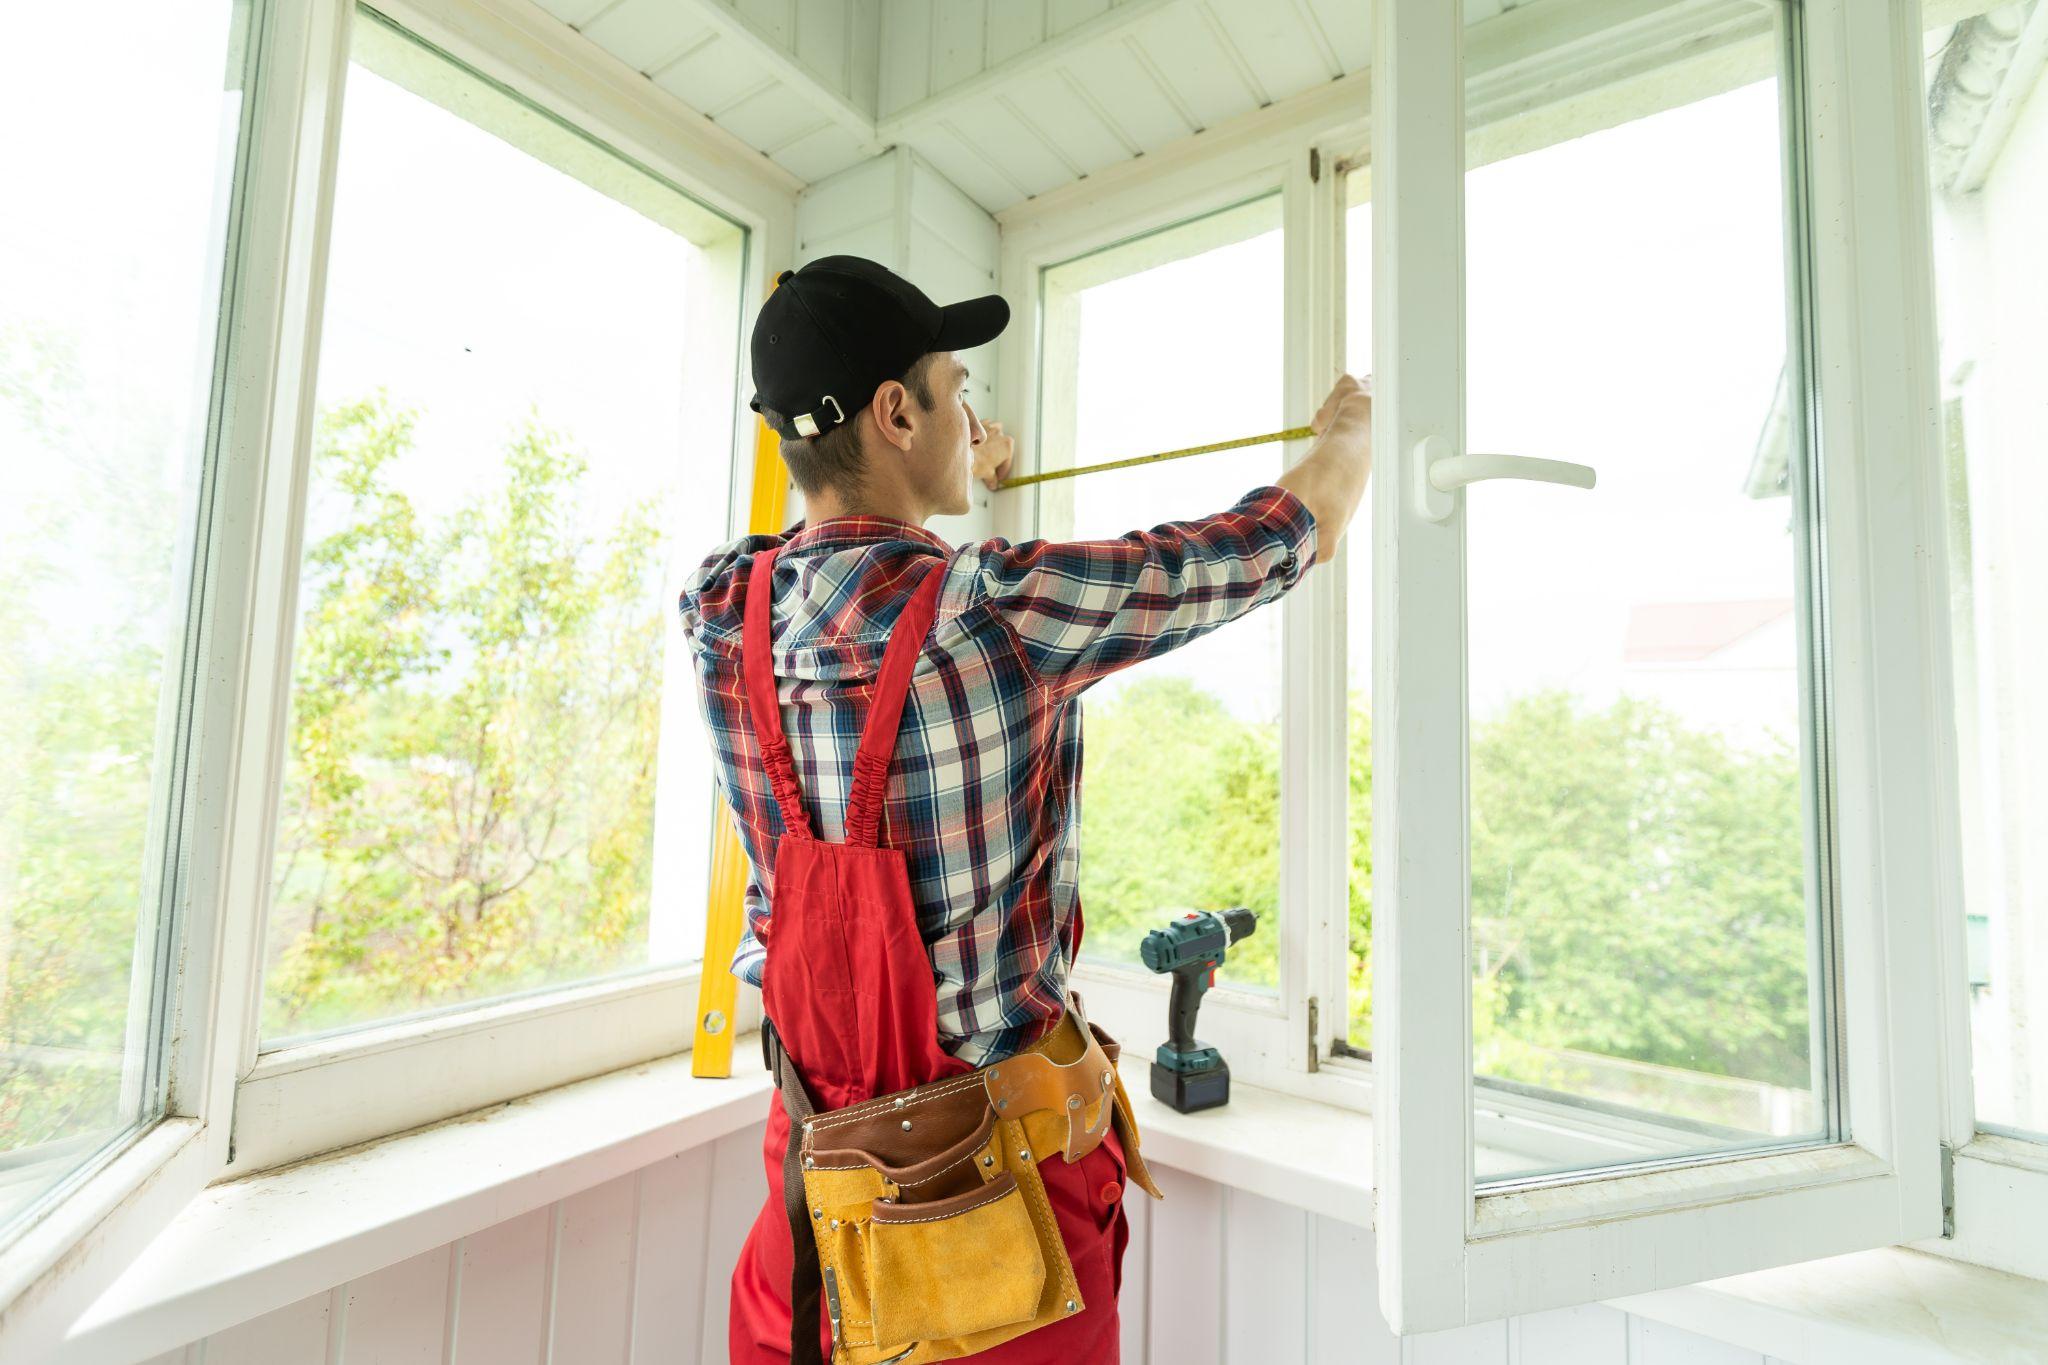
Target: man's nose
(976,433)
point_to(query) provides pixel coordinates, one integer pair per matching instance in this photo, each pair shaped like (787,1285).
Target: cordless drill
(1187,1073)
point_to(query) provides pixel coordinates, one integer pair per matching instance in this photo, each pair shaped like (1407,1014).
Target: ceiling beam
(930,113)
(802,82)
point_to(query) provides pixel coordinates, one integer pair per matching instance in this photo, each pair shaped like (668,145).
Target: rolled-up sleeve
(1083,609)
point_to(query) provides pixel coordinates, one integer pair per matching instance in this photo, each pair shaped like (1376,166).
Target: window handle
(1439,474)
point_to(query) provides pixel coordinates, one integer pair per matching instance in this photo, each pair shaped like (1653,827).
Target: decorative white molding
(1975,89)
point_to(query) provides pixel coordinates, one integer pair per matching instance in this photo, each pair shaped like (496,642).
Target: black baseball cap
(837,330)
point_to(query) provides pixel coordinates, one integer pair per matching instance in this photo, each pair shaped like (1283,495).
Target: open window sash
(1464,1236)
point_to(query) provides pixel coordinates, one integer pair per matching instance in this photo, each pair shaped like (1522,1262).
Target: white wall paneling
(636,1270)
(898,209)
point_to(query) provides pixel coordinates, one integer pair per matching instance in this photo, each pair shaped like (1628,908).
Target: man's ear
(890,408)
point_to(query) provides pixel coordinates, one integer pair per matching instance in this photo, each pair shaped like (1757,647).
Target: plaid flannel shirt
(983,794)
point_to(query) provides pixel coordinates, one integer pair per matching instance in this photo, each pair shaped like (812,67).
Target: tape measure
(1291,434)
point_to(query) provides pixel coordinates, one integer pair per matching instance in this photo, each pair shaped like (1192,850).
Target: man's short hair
(833,459)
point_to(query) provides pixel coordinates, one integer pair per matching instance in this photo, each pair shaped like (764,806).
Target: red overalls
(849,987)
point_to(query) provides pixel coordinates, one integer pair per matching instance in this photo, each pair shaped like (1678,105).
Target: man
(856,369)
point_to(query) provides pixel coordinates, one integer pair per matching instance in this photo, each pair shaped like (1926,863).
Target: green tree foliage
(1638,890)
(470,804)
(79,709)
(1638,885)
(1179,811)
(74,813)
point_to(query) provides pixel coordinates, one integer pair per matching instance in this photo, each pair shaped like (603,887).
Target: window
(1649,839)
(1641,958)
(1174,339)
(496,783)
(1358,607)
(107,366)
(1637,743)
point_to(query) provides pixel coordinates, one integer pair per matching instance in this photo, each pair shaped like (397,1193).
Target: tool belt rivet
(809,1162)
(1073,1307)
(906,1125)
(1073,1101)
(835,1225)
(817,1213)
(1023,1155)
(988,1161)
(1002,1104)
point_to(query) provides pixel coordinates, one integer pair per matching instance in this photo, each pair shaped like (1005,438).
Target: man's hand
(992,457)
(1330,479)
(1349,405)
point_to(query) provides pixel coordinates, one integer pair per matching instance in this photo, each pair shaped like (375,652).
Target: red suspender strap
(885,712)
(764,711)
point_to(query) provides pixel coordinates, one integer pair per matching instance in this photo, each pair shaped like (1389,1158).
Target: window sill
(1295,1151)
(243,1247)
(1891,1307)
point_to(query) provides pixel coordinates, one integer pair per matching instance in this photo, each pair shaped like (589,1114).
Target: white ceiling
(1007,98)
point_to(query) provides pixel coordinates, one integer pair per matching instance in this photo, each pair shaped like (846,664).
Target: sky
(473,281)
(113,256)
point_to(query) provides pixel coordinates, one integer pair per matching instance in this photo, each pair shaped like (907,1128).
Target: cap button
(783,278)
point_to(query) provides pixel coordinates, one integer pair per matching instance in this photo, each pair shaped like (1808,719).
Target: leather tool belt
(922,1214)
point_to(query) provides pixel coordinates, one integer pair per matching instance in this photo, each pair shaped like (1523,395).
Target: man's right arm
(1084,609)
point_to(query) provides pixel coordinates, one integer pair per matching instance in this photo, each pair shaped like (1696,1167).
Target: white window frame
(1265,1038)
(1449,1255)
(229,1112)
(311,1097)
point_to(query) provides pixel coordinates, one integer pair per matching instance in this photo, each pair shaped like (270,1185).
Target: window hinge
(1315,1021)
(1948,1192)
(1315,164)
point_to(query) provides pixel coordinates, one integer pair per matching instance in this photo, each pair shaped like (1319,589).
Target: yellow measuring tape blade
(1291,434)
(717,988)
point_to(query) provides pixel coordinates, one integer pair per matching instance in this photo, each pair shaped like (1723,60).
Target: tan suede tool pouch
(935,1236)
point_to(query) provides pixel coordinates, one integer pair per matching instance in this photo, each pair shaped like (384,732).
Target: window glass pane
(1358,621)
(1646,878)
(1987,111)
(526,396)
(1174,339)
(111,249)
